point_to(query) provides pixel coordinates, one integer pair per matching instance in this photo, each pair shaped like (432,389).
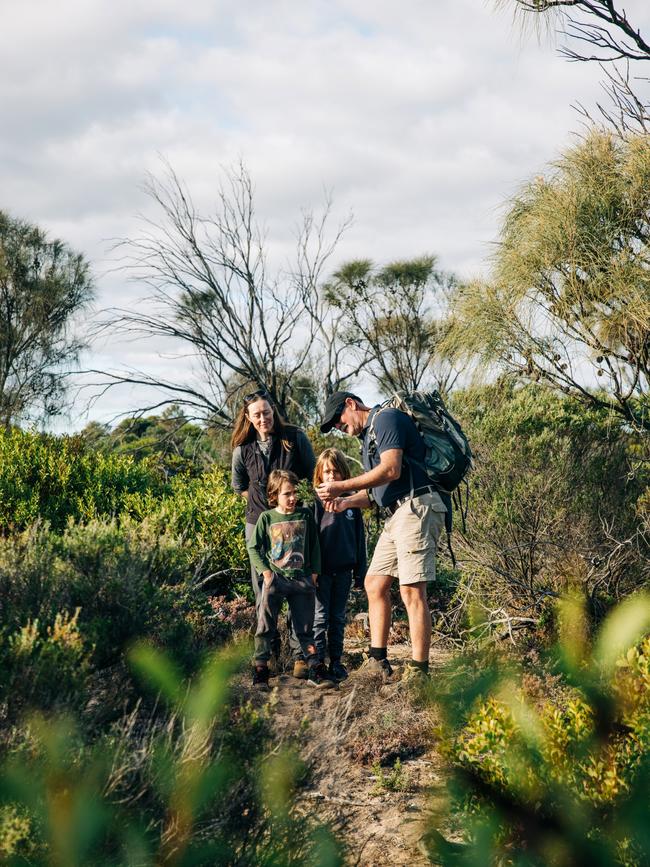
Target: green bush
(58,479)
(129,580)
(193,779)
(566,782)
(554,490)
(44,665)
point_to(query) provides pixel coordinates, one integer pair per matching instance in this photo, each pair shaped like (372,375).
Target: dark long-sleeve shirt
(342,541)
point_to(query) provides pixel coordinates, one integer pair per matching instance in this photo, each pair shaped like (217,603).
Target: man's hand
(268,577)
(329,490)
(338,504)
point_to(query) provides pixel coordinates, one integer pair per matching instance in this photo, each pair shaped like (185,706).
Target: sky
(422,118)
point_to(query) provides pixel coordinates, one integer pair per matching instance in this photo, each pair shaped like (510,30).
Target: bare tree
(600,31)
(393,321)
(211,292)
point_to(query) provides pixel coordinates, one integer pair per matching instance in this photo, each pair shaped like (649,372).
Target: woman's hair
(338,461)
(276,480)
(243,430)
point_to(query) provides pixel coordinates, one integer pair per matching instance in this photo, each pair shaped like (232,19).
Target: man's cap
(333,408)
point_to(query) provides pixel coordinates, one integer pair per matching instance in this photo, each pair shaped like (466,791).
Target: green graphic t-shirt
(286,544)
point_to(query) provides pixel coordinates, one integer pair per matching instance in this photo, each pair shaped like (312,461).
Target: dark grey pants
(300,593)
(329,621)
(256,583)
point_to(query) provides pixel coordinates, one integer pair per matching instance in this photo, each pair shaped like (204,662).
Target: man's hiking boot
(300,669)
(261,678)
(338,671)
(274,666)
(416,682)
(378,666)
(319,676)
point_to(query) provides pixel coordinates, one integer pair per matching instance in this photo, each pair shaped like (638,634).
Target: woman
(263,441)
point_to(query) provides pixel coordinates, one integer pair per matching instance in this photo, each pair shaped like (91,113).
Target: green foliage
(129,580)
(393,780)
(58,479)
(44,664)
(395,319)
(568,781)
(169,442)
(569,298)
(15,833)
(538,520)
(210,518)
(192,785)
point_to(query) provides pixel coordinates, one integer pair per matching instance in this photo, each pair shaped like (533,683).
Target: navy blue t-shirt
(394,429)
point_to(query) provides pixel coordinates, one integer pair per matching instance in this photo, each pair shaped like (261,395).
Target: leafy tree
(169,440)
(43,286)
(395,320)
(568,302)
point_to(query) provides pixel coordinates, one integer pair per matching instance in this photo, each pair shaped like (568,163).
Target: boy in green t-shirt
(284,548)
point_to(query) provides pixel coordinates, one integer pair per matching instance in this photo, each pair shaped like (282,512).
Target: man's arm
(360,500)
(387,470)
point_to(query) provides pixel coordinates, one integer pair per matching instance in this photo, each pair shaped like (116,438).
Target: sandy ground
(341,732)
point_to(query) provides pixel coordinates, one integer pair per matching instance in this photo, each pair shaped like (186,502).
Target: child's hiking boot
(319,676)
(274,664)
(337,670)
(300,669)
(378,666)
(261,678)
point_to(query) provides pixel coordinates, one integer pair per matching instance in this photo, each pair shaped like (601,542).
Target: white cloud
(422,117)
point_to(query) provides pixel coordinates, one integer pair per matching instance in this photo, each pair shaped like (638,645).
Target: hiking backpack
(448,456)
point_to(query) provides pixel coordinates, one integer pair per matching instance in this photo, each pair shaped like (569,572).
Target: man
(392,454)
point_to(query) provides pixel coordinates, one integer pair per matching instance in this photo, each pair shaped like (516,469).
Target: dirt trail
(379,811)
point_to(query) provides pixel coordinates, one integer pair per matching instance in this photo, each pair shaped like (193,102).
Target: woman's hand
(268,578)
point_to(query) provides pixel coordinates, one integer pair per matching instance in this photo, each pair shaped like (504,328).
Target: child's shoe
(338,671)
(261,678)
(318,676)
(300,669)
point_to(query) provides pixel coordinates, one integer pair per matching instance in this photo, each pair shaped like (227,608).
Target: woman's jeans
(257,582)
(329,621)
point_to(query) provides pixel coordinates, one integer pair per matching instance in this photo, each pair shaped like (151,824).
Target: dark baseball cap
(334,406)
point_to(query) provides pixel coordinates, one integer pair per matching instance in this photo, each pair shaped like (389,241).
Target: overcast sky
(421,116)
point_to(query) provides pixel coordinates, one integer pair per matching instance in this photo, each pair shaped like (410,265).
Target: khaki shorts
(406,548)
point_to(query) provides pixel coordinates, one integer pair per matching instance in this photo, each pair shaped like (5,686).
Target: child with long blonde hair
(343,560)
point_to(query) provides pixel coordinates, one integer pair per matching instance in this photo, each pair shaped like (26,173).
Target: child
(285,551)
(343,554)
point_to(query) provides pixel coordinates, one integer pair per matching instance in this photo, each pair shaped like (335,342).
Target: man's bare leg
(414,597)
(378,592)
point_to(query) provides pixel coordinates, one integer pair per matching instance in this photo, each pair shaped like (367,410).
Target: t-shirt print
(288,544)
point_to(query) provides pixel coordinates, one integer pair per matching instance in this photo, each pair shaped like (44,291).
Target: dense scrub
(557,775)
(101,551)
(555,506)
